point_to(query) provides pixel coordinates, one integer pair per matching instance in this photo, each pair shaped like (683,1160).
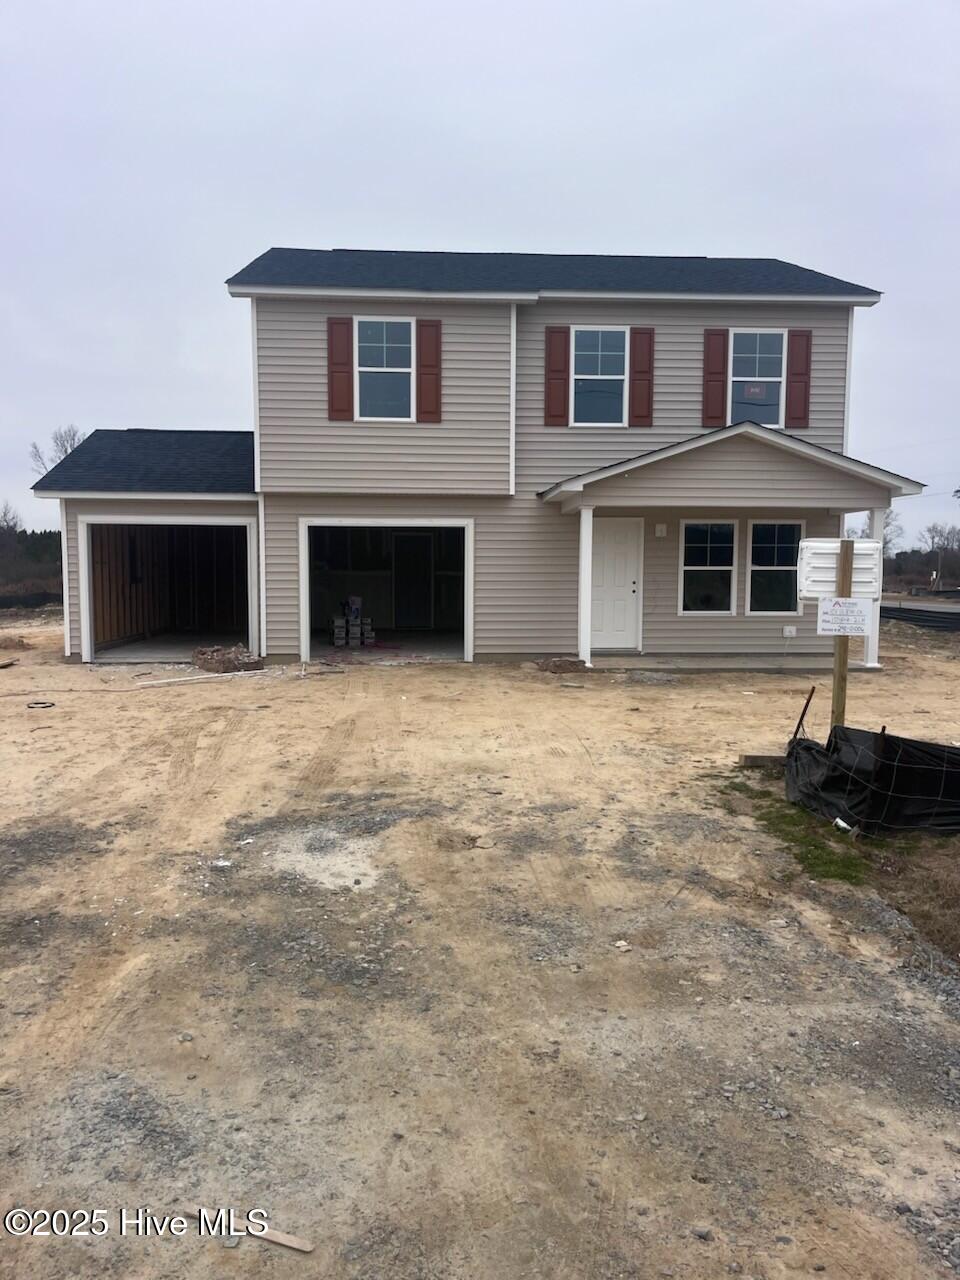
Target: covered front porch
(687,554)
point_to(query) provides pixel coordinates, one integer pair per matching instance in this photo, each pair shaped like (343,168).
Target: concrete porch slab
(693,663)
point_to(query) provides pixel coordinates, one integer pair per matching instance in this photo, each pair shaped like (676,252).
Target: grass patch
(810,839)
(917,872)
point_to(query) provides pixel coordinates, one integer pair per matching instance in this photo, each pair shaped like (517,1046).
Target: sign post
(841,644)
(842,575)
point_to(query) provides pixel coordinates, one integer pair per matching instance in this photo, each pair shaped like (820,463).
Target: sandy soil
(343,947)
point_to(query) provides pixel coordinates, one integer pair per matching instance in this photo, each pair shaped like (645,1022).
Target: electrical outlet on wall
(790,632)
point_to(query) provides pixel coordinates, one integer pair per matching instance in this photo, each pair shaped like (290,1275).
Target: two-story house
(504,454)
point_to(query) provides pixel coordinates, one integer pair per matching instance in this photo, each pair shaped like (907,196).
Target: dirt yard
(345,948)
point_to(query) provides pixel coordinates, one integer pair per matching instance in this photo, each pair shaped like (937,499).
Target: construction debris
(561,666)
(223,661)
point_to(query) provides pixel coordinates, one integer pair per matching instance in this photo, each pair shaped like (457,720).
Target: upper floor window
(756,376)
(599,377)
(385,362)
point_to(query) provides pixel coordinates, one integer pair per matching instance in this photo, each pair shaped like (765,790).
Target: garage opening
(157,592)
(381,594)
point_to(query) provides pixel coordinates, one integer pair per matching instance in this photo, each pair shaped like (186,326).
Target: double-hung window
(385,362)
(756,376)
(772,572)
(708,557)
(599,377)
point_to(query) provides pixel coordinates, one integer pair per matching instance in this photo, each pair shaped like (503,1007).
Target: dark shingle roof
(536,272)
(141,461)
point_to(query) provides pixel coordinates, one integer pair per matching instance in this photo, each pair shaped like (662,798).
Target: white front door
(617,583)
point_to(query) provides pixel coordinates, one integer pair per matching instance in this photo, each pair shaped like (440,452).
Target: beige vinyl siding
(666,631)
(525,589)
(548,454)
(302,451)
(135,510)
(525,581)
(737,472)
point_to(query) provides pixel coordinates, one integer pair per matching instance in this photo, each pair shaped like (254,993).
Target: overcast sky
(149,151)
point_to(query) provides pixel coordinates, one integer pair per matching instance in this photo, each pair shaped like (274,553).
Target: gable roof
(538,273)
(900,486)
(148,461)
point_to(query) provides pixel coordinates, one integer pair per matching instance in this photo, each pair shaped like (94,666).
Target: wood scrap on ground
(270,1235)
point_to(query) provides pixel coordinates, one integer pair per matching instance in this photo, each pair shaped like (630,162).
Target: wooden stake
(841,644)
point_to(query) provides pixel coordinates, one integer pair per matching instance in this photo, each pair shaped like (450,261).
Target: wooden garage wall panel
(301,449)
(548,454)
(122,609)
(525,587)
(134,509)
(739,471)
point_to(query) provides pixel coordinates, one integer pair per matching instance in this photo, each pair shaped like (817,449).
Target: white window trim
(598,328)
(412,370)
(771,426)
(769,613)
(306,523)
(709,613)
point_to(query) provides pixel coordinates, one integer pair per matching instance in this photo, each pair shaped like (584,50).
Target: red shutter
(641,378)
(556,396)
(340,368)
(799,348)
(428,371)
(715,377)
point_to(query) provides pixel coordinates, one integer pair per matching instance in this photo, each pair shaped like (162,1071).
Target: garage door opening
(410,584)
(159,591)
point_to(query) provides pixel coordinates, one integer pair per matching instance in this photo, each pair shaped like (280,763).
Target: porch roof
(571,492)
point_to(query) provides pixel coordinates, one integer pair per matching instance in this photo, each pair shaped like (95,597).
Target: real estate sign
(843,616)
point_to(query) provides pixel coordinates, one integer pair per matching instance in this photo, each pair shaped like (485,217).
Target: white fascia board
(152,497)
(466,295)
(900,486)
(415,295)
(860,300)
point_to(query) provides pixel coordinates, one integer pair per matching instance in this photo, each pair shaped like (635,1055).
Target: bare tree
(935,537)
(63,441)
(892,531)
(10,521)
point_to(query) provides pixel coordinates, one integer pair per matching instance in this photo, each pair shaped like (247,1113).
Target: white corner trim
(65,575)
(262,571)
(256,396)
(846,385)
(306,523)
(734,581)
(89,518)
(513,399)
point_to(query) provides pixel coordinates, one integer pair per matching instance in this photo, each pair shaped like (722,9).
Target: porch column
(871,649)
(585,584)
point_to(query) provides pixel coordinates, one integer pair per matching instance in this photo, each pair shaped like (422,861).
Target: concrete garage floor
(343,947)
(393,648)
(175,647)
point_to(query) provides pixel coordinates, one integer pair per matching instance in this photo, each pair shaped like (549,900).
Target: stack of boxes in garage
(352,629)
